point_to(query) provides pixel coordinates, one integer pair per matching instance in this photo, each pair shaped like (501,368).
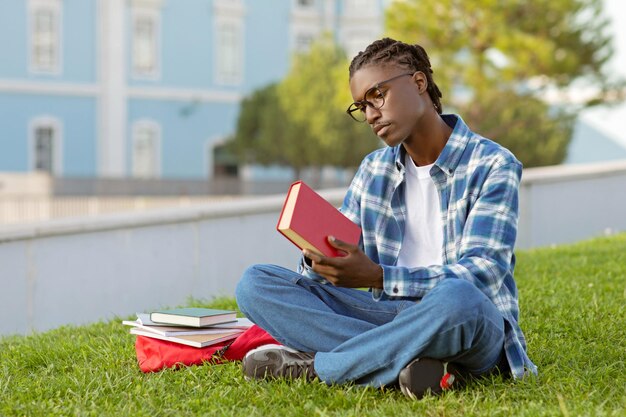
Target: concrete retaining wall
(75,271)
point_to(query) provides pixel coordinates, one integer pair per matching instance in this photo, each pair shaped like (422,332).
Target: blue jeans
(369,342)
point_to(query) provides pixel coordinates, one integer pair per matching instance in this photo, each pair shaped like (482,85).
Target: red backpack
(154,354)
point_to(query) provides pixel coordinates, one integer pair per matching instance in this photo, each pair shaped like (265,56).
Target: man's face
(405,99)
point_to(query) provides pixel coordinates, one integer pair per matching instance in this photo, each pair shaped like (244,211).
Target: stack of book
(197,327)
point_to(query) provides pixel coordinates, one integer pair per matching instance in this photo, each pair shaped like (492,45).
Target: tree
(497,59)
(301,121)
(264,135)
(524,124)
(316,94)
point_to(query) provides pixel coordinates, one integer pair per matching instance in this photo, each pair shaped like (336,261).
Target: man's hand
(355,270)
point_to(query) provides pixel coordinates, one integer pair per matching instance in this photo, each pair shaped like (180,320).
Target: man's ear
(419,78)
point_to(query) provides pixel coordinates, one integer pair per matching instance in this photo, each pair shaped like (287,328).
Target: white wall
(36,184)
(82,270)
(565,204)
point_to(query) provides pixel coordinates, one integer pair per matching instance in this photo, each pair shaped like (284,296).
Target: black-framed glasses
(374,97)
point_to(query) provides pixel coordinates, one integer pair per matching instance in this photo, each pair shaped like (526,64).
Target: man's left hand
(354,270)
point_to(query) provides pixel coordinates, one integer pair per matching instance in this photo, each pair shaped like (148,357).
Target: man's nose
(372,114)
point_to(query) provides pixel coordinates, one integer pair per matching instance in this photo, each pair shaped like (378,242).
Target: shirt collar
(450,156)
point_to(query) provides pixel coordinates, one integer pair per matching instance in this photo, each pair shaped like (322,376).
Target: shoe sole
(266,376)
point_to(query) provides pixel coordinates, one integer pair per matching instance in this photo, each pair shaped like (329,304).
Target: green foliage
(316,94)
(572,301)
(536,134)
(262,133)
(301,121)
(500,52)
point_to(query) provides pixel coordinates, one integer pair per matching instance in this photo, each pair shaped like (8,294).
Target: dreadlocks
(412,57)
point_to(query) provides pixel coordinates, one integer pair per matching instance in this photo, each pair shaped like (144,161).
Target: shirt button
(395,290)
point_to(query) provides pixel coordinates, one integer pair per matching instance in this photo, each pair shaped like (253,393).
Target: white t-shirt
(423,231)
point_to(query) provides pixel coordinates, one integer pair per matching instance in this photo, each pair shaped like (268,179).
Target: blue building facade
(148,88)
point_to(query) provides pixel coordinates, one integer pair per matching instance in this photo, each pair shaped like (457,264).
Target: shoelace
(298,369)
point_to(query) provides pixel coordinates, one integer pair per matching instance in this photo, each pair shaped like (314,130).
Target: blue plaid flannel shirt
(477,181)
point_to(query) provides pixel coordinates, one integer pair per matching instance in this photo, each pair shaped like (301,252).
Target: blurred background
(190,118)
(102,101)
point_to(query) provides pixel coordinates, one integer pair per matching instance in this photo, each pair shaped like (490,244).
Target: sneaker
(276,361)
(424,374)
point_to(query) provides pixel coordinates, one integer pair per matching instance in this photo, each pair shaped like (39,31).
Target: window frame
(138,127)
(234,75)
(311,4)
(229,13)
(57,148)
(357,8)
(154,15)
(56,10)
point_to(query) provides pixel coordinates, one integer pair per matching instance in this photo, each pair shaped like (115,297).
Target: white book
(178,330)
(198,340)
(240,323)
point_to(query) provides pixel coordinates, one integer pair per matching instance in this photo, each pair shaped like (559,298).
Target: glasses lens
(375,98)
(357,112)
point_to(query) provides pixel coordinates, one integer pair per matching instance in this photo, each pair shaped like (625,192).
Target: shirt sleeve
(351,206)
(486,246)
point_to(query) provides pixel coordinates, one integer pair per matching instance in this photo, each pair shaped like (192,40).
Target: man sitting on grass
(438,208)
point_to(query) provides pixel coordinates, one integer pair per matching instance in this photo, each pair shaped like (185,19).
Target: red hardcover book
(307,219)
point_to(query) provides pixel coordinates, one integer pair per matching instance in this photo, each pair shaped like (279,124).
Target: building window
(145,43)
(360,7)
(46,145)
(307,21)
(45,35)
(356,42)
(305,3)
(228,31)
(146,150)
(44,149)
(225,164)
(229,45)
(303,42)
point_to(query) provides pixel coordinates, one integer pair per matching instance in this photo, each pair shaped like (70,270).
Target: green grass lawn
(572,310)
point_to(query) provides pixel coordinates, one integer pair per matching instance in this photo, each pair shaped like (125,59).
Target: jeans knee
(259,282)
(459,298)
(457,289)
(246,287)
